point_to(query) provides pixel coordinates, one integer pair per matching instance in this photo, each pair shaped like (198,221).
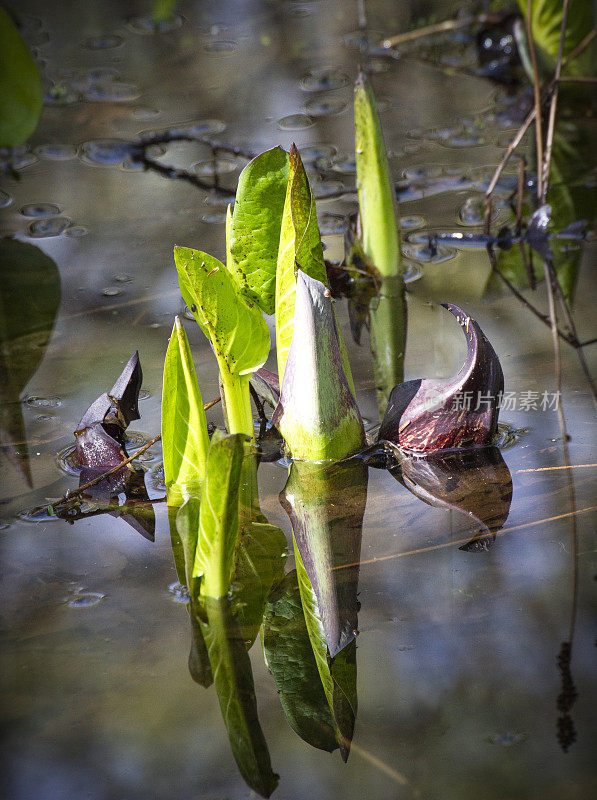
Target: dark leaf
(429,415)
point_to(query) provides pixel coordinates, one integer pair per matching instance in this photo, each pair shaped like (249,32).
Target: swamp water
(458,680)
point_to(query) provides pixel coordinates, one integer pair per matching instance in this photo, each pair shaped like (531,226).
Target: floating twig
(440,27)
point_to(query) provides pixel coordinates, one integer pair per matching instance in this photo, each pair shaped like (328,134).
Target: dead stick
(439,27)
(553,105)
(551,469)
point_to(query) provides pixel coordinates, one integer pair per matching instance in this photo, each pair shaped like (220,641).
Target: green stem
(237,397)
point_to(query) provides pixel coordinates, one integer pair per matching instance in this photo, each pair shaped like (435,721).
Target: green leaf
(339,674)
(317,414)
(233,677)
(256,222)
(29,300)
(377,198)
(185,441)
(300,248)
(218,515)
(163,10)
(21,93)
(547,24)
(291,661)
(237,330)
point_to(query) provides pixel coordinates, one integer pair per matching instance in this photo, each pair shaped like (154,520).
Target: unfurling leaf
(377,198)
(299,248)
(100,432)
(185,441)
(218,515)
(255,226)
(20,86)
(428,415)
(317,414)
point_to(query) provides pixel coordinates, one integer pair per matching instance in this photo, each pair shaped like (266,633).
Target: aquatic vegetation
(427,415)
(20,86)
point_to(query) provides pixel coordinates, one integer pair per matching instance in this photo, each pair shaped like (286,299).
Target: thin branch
(551,469)
(546,166)
(580,47)
(440,27)
(537,95)
(125,462)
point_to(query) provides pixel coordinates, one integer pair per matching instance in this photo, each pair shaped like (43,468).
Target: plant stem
(237,398)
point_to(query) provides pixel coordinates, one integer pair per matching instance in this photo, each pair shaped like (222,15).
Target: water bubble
(106,152)
(422,171)
(179,593)
(111,291)
(214,219)
(327,78)
(319,107)
(123,277)
(144,394)
(472,212)
(316,152)
(428,252)
(412,221)
(56,152)
(325,188)
(47,227)
(156,479)
(507,739)
(295,122)
(86,599)
(40,210)
(464,139)
(412,272)
(221,47)
(5,199)
(146,113)
(223,165)
(147,25)
(346,165)
(200,127)
(102,42)
(111,92)
(37,401)
(76,231)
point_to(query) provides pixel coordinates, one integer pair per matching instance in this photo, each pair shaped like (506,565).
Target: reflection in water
(29,282)
(476,482)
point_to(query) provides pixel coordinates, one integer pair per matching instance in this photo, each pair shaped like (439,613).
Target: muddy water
(457,658)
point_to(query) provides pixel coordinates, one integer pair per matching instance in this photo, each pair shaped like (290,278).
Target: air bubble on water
(76,231)
(314,152)
(179,593)
(40,210)
(326,188)
(123,277)
(295,122)
(146,25)
(146,113)
(345,165)
(422,172)
(56,152)
(67,460)
(86,599)
(324,79)
(330,224)
(428,253)
(111,291)
(223,165)
(112,92)
(102,42)
(464,139)
(47,227)
(412,272)
(5,199)
(412,221)
(220,47)
(50,401)
(322,107)
(144,394)
(200,127)
(104,152)
(59,94)
(472,212)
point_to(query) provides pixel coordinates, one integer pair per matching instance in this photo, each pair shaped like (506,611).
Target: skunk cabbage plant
(428,415)
(317,414)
